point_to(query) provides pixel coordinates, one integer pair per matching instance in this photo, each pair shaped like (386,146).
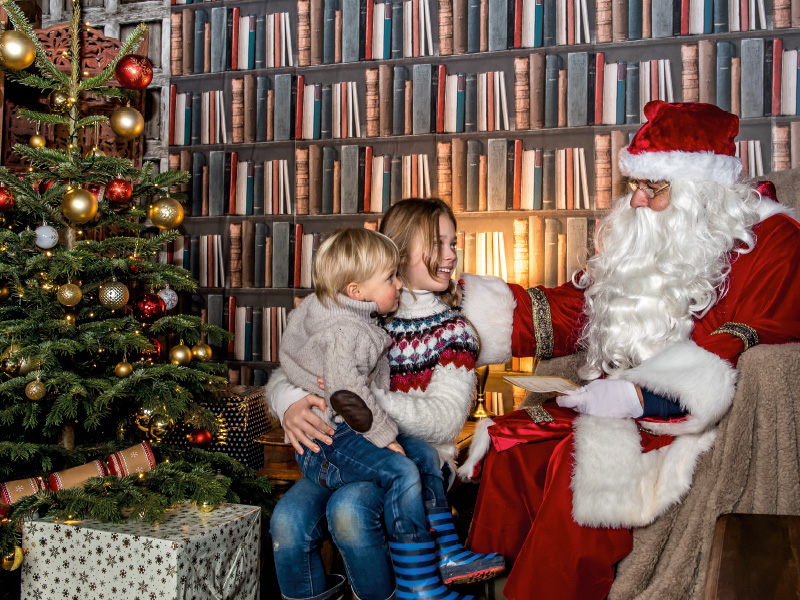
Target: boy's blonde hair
(351,255)
(415,219)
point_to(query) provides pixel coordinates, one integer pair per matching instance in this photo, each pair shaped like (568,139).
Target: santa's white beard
(655,271)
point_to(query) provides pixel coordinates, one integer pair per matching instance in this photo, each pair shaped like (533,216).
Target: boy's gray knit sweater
(345,345)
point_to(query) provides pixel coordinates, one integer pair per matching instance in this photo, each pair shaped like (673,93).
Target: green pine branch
(42,61)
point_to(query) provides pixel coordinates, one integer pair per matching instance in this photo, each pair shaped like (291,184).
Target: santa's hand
(605,398)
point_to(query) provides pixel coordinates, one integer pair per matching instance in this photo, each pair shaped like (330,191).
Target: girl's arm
(436,415)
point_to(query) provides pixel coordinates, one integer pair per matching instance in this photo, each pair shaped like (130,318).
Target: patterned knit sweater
(432,363)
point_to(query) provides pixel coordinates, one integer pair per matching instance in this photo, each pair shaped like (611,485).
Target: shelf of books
(296,117)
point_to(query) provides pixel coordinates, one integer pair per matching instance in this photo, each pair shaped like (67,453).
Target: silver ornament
(169,296)
(46,236)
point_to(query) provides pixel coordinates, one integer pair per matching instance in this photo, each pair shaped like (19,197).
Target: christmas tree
(82,307)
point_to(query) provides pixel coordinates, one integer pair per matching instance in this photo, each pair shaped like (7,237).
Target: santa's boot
(336,588)
(456,563)
(416,571)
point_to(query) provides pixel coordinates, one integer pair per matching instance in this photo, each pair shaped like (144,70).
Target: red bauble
(96,189)
(134,72)
(6,199)
(149,307)
(46,184)
(118,190)
(134,268)
(200,437)
(151,355)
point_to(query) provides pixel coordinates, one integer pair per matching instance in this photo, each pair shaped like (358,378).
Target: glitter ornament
(35,390)
(201,352)
(123,369)
(180,355)
(169,296)
(79,205)
(46,236)
(200,437)
(113,294)
(118,190)
(16,50)
(127,122)
(166,213)
(148,307)
(69,294)
(134,72)
(6,199)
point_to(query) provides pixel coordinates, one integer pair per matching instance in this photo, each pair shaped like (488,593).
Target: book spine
(372,102)
(474,150)
(301,181)
(445,27)
(328,159)
(522,93)
(314,180)
(690,83)
(458,167)
(444,188)
(317,25)
(552,66)
(632,109)
(385,100)
(326,107)
(398,100)
(725,51)
(577,88)
(328,31)
(235,254)
(602,170)
(304,32)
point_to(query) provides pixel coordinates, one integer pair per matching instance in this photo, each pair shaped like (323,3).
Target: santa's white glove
(605,398)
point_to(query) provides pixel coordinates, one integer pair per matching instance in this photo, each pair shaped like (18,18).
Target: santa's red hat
(689,141)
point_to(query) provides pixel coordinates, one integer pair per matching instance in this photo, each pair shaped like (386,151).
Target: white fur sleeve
(280,394)
(436,415)
(489,306)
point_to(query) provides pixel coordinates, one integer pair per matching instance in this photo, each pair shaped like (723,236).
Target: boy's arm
(352,353)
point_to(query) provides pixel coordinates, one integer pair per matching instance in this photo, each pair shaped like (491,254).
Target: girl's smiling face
(418,277)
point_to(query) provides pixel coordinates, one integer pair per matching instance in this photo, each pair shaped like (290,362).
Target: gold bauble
(16,50)
(127,122)
(204,507)
(37,141)
(113,295)
(142,419)
(180,355)
(35,390)
(201,352)
(95,151)
(5,292)
(79,205)
(12,560)
(123,369)
(59,101)
(69,294)
(12,365)
(166,213)
(159,427)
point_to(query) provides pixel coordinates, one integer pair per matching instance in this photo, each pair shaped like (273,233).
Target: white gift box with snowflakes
(192,555)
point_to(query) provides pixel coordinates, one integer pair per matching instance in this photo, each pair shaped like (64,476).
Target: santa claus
(693,267)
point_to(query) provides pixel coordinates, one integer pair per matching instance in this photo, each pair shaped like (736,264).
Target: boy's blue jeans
(352,458)
(303,516)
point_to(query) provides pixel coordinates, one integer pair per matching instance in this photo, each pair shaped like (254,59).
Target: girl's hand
(302,426)
(395,447)
(321,383)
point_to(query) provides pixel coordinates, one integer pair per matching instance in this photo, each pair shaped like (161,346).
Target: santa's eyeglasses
(647,187)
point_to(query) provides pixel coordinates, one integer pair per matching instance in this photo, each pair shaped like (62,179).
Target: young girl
(432,361)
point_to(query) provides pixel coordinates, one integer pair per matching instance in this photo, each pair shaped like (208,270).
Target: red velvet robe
(530,494)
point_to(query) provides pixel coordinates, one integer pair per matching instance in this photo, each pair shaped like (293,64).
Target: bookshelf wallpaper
(296,117)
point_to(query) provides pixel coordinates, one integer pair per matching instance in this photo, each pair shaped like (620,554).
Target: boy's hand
(301,424)
(395,447)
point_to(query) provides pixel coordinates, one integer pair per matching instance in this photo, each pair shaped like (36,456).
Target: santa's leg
(559,559)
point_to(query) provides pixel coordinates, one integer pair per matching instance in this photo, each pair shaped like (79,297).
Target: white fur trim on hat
(700,381)
(615,484)
(489,306)
(688,166)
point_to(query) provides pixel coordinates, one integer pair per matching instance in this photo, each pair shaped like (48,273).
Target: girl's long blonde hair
(415,219)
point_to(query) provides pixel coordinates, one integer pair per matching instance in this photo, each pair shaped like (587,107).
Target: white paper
(534,383)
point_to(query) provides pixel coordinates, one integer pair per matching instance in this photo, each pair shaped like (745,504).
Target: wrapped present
(242,416)
(191,554)
(136,459)
(76,476)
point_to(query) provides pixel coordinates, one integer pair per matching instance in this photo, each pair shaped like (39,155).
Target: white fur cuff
(701,382)
(478,448)
(489,305)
